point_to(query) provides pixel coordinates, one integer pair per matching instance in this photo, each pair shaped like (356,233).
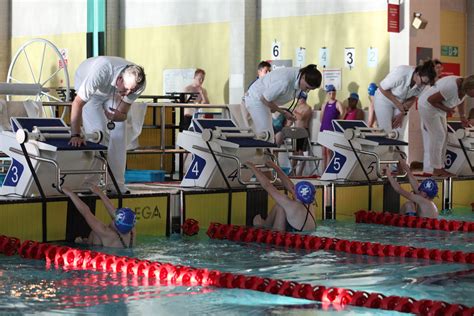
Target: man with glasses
(106,87)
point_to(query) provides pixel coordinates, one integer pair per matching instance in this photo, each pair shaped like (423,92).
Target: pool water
(27,287)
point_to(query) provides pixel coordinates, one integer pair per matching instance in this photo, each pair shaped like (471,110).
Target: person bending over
(291,215)
(119,233)
(420,200)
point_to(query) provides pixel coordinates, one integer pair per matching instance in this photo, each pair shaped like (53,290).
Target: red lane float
(308,242)
(391,219)
(190,227)
(165,273)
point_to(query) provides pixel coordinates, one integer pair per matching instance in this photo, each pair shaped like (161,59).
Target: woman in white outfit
(106,87)
(277,88)
(397,92)
(442,98)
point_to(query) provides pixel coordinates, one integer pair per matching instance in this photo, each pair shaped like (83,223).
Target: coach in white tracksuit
(442,98)
(397,92)
(275,89)
(106,87)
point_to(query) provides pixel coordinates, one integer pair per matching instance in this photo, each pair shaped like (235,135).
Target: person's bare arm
(107,202)
(118,114)
(283,200)
(275,108)
(396,186)
(410,176)
(407,104)
(436,101)
(76,122)
(341,109)
(360,115)
(389,95)
(287,183)
(462,115)
(204,97)
(96,225)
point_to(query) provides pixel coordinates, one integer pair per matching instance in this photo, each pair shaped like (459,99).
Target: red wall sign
(451,69)
(393,13)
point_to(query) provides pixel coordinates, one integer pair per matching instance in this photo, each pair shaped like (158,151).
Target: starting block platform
(219,149)
(42,160)
(459,158)
(358,151)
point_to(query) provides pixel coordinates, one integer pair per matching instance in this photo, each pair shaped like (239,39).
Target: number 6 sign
(276,47)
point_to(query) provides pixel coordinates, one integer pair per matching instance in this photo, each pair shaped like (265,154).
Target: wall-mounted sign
(393,17)
(372,57)
(349,57)
(323,57)
(451,51)
(276,48)
(332,76)
(300,57)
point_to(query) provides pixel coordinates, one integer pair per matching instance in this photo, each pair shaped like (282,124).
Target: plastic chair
(293,134)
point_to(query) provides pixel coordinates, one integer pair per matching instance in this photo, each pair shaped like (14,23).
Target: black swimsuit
(291,229)
(131,239)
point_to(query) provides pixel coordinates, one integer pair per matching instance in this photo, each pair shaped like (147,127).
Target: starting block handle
(23,135)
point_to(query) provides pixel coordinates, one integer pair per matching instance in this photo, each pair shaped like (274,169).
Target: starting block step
(144,176)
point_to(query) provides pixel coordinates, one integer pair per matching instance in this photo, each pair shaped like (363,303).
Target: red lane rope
(166,273)
(390,219)
(308,242)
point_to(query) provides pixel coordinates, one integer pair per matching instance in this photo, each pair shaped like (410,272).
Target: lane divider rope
(391,219)
(165,273)
(309,242)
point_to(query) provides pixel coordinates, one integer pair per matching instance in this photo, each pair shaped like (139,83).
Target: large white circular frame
(40,75)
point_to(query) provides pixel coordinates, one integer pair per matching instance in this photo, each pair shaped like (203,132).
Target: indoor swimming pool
(27,287)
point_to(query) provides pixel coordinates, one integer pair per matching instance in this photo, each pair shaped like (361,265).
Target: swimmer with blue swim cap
(119,233)
(288,214)
(420,200)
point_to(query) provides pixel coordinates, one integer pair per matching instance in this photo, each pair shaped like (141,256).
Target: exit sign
(451,51)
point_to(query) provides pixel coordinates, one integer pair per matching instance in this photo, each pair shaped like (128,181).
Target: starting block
(459,158)
(218,148)
(43,143)
(358,151)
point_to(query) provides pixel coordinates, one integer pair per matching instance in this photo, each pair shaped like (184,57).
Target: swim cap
(354,96)
(372,88)
(125,219)
(330,87)
(305,192)
(430,187)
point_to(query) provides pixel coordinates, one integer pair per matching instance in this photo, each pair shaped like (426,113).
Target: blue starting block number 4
(14,174)
(196,168)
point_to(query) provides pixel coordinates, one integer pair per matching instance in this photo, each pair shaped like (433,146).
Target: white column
(5,38)
(112,28)
(243,52)
(470,46)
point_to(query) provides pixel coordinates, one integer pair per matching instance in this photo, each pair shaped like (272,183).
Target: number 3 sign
(349,57)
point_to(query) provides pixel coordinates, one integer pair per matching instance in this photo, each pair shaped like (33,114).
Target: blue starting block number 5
(14,174)
(337,163)
(196,168)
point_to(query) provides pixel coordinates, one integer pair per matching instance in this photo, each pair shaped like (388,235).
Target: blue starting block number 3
(196,168)
(14,174)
